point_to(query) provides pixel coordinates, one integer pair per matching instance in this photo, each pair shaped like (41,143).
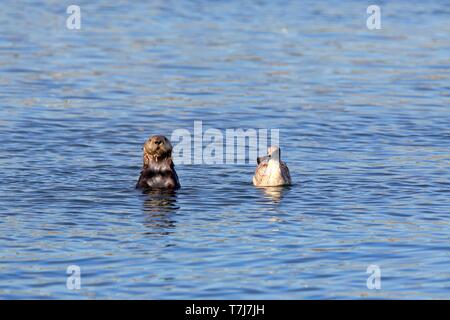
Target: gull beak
(262,159)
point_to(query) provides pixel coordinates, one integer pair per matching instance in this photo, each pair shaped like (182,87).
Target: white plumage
(271,171)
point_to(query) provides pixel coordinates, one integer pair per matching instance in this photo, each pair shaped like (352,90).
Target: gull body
(271,171)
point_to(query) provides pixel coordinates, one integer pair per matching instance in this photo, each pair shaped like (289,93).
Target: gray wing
(285,172)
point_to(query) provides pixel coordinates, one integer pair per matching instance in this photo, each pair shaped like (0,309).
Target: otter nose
(158,142)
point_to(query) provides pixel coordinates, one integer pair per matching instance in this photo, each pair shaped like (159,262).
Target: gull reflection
(274,194)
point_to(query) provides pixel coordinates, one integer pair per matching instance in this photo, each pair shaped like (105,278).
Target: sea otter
(271,171)
(158,171)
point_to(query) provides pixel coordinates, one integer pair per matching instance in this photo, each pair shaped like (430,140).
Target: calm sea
(364,120)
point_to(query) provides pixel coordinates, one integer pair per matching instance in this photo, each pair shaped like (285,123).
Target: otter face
(157,147)
(158,171)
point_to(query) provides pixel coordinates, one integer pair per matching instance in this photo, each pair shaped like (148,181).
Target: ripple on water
(363,118)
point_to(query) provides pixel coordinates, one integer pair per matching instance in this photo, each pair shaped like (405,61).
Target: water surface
(364,124)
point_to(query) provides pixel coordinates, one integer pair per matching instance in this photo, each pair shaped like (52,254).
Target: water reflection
(159,207)
(275,194)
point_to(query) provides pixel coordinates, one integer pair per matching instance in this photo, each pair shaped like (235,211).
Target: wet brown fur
(158,170)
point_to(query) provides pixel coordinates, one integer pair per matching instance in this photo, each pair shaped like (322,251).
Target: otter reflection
(159,206)
(274,194)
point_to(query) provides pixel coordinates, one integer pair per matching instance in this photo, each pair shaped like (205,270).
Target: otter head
(156,148)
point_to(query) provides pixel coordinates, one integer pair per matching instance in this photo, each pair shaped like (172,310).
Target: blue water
(364,123)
